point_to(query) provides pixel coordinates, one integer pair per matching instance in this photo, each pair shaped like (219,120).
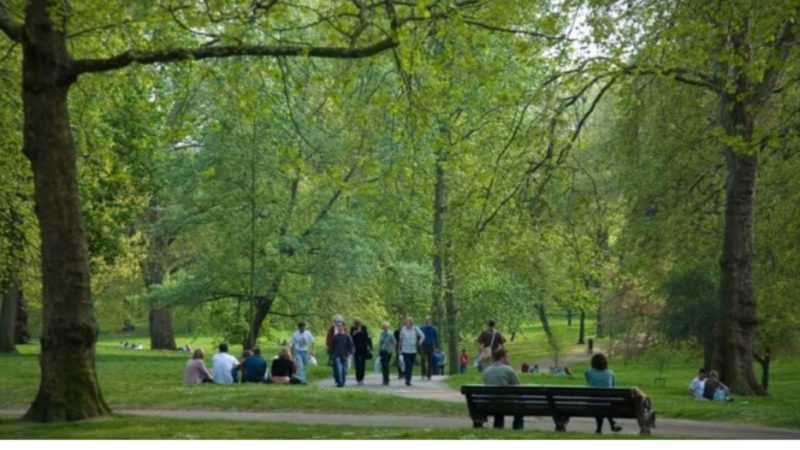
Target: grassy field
(154,379)
(128,427)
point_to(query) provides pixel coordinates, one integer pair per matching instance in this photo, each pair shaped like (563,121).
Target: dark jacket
(431,336)
(361,339)
(282,367)
(342,345)
(255,367)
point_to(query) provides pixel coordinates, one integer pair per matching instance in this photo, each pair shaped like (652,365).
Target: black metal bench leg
(478,421)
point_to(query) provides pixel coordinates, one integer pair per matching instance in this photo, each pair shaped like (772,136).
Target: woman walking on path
(363,345)
(341,349)
(410,338)
(599,375)
(386,345)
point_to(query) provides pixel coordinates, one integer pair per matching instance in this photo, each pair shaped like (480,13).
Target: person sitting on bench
(599,375)
(501,374)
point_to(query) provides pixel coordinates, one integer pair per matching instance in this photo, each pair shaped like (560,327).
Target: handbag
(486,352)
(368,355)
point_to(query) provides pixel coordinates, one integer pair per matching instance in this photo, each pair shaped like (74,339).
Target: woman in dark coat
(363,346)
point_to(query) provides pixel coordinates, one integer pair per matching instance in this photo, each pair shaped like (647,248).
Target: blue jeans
(300,358)
(408,360)
(463,368)
(339,370)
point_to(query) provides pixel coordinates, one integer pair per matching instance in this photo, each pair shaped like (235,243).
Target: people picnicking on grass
(255,367)
(283,369)
(223,365)
(196,371)
(707,386)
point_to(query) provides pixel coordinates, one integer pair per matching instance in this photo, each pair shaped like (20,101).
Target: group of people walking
(404,344)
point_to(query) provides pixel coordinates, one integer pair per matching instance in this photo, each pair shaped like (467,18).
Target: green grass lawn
(129,427)
(154,379)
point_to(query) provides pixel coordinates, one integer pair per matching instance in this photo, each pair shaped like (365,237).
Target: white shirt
(697,386)
(301,341)
(223,365)
(409,338)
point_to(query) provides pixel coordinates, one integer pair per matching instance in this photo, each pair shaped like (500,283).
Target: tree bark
(68,388)
(764,361)
(439,207)
(154,268)
(600,332)
(9,296)
(21,333)
(450,324)
(582,327)
(551,339)
(737,303)
(569,317)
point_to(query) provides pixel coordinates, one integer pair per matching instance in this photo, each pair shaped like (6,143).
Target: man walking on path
(489,341)
(430,344)
(301,342)
(501,374)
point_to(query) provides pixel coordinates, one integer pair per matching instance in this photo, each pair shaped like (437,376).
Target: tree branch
(515,31)
(181,54)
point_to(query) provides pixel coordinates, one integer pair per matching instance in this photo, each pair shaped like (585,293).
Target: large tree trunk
(600,332)
(737,303)
(737,317)
(68,388)
(162,336)
(154,267)
(9,296)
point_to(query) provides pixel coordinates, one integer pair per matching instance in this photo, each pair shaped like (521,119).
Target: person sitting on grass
(714,389)
(283,369)
(698,384)
(238,372)
(501,374)
(255,367)
(196,371)
(599,375)
(224,365)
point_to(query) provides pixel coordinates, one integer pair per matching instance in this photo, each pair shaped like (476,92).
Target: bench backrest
(550,400)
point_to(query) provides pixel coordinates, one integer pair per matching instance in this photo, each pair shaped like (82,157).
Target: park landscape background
(215,171)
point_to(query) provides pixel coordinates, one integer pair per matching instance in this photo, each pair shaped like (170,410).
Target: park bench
(558,402)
